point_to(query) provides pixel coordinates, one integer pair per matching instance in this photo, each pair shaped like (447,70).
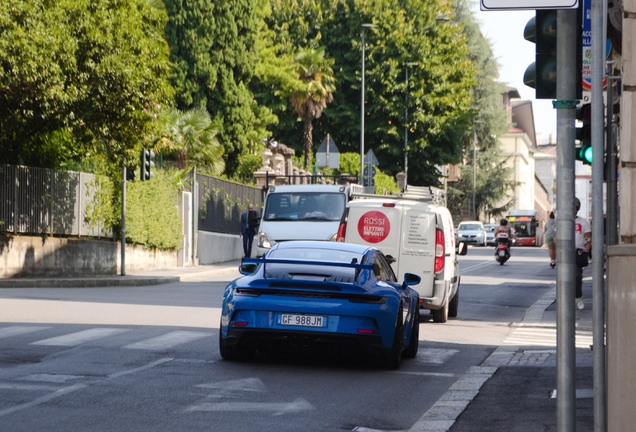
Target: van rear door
(417,249)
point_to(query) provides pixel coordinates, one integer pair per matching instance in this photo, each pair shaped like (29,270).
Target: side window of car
(386,272)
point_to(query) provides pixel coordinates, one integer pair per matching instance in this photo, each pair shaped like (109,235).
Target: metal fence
(39,201)
(45,201)
(221,202)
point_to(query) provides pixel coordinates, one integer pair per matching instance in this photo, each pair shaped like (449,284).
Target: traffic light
(542,74)
(130,174)
(584,133)
(147,163)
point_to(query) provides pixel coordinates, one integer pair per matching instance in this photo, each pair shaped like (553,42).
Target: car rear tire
(441,315)
(234,353)
(414,341)
(393,358)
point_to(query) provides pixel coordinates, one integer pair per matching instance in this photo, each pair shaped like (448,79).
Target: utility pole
(566,48)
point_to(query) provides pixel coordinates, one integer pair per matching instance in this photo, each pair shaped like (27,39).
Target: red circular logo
(374,227)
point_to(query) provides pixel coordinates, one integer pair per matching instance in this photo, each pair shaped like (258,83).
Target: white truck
(418,236)
(302,212)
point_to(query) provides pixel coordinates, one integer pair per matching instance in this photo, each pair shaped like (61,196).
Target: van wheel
(441,315)
(454,304)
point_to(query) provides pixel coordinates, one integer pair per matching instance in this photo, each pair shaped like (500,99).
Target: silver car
(490,234)
(472,232)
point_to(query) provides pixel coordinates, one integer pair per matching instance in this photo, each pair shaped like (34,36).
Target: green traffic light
(585,154)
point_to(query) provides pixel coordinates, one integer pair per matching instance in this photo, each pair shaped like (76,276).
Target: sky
(514,54)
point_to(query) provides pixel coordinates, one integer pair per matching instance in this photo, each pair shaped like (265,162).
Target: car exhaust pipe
(306,342)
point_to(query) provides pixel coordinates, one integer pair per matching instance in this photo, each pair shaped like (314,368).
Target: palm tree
(192,136)
(314,92)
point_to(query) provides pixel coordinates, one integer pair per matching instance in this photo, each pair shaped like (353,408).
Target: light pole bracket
(565,103)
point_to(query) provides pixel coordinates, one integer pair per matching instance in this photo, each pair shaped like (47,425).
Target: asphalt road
(146,359)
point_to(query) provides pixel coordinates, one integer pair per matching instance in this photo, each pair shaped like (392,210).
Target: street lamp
(364,26)
(475,167)
(406,126)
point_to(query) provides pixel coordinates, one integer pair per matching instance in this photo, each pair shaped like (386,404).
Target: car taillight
(342,230)
(439,251)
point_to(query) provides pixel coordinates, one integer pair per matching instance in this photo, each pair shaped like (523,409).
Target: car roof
(470,222)
(325,245)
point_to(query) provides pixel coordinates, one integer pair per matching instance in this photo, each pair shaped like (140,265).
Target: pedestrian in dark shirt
(246,231)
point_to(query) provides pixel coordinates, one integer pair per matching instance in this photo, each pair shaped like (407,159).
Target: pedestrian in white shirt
(583,244)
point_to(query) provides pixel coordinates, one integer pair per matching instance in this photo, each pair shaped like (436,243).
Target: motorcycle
(502,254)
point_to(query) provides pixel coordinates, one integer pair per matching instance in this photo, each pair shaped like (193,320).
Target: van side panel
(417,253)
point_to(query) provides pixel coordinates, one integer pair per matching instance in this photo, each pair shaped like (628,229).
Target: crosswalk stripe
(80,337)
(168,340)
(19,330)
(523,336)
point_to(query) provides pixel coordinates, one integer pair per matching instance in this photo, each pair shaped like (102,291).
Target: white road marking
(66,390)
(434,355)
(168,340)
(538,335)
(277,408)
(81,337)
(34,387)
(246,384)
(19,330)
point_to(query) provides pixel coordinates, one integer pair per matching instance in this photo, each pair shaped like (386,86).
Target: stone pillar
(400,178)
(265,170)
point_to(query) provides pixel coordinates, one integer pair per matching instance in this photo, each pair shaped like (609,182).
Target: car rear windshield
(297,206)
(470,227)
(303,271)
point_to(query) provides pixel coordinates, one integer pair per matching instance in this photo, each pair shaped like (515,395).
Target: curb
(115,281)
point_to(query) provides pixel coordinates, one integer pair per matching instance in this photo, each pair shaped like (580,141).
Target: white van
(301,212)
(419,236)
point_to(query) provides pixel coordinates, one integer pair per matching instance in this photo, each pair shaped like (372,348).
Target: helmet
(504,221)
(577,203)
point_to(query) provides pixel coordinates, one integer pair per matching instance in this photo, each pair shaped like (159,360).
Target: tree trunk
(307,138)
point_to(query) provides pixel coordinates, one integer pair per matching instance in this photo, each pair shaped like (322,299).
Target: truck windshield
(298,206)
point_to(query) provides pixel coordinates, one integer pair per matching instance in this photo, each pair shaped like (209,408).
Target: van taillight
(388,204)
(440,253)
(342,230)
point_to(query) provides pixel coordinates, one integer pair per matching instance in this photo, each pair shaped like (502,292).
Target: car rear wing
(305,262)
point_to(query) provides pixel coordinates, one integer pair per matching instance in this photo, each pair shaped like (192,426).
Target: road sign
(328,155)
(494,5)
(586,71)
(370,159)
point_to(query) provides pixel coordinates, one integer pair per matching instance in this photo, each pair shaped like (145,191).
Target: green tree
(491,177)
(191,135)
(439,92)
(212,52)
(76,76)
(311,98)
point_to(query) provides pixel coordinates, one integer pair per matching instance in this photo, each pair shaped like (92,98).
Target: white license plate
(302,320)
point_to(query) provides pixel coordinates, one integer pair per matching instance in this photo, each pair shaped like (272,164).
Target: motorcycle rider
(503,234)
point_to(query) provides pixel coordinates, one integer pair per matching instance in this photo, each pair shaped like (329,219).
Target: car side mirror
(411,279)
(247,269)
(390,259)
(461,248)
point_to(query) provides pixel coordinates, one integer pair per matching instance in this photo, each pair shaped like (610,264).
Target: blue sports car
(307,295)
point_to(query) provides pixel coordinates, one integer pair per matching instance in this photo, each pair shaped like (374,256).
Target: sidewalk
(132,278)
(514,388)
